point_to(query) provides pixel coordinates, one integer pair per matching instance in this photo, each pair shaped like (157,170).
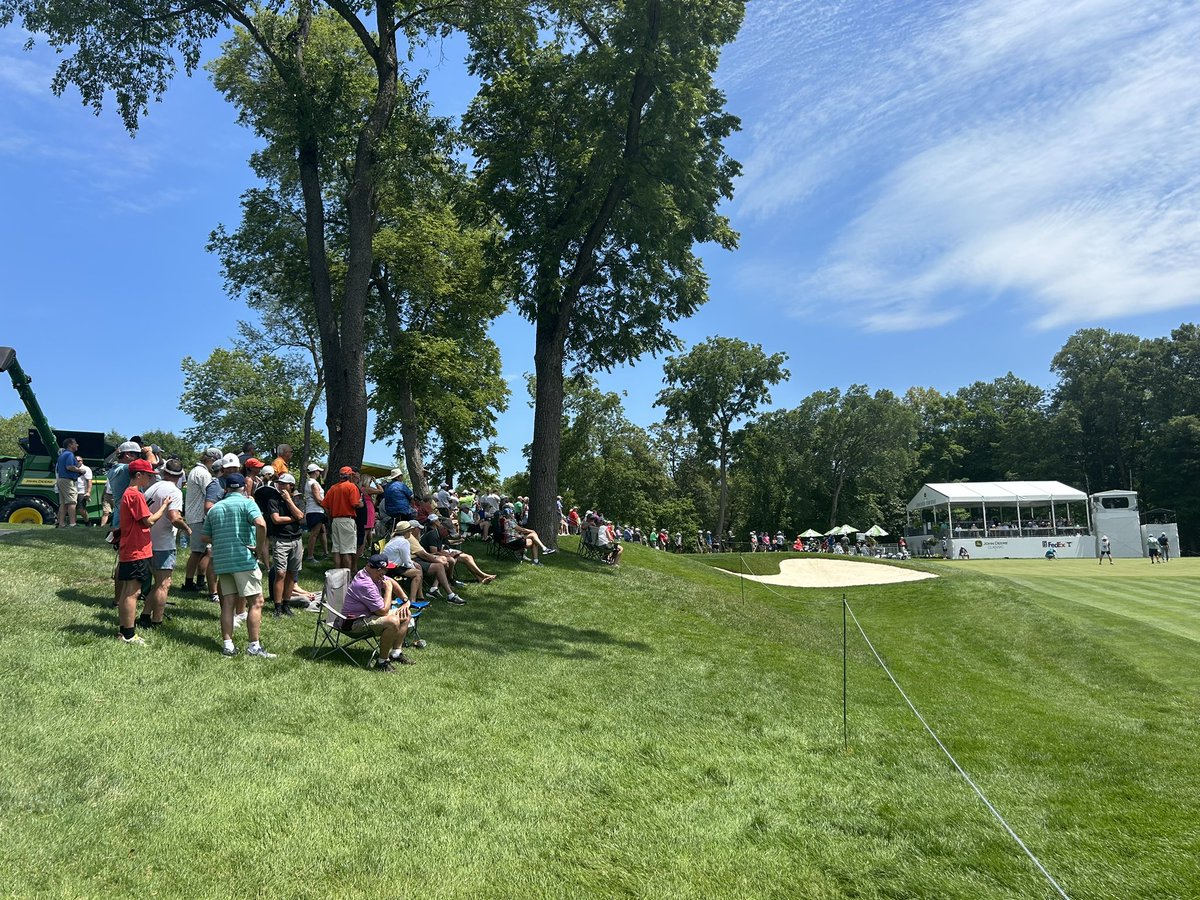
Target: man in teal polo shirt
(238,534)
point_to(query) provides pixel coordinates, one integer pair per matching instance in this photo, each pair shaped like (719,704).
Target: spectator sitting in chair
(434,539)
(368,607)
(607,540)
(514,538)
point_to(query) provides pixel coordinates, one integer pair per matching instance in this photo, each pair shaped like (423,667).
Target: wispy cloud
(1043,152)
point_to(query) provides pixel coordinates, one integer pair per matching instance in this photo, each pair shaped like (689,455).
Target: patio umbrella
(835,530)
(876,531)
(848,529)
(810,534)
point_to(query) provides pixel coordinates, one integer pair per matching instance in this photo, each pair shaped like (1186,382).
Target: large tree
(714,387)
(599,136)
(130,51)
(239,395)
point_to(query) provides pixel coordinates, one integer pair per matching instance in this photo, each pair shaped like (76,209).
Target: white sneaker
(239,620)
(136,640)
(215,598)
(260,651)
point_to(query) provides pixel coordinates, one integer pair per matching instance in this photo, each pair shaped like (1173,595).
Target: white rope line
(949,756)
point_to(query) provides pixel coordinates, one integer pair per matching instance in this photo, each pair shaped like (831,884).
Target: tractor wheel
(29,511)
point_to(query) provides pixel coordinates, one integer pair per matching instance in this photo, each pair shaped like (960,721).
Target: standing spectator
(1105,549)
(164,493)
(573,520)
(283,456)
(283,524)
(117,479)
(442,501)
(397,497)
(247,453)
(238,535)
(341,504)
(83,492)
(67,470)
(364,516)
(256,474)
(195,576)
(1164,547)
(314,512)
(134,547)
(1152,549)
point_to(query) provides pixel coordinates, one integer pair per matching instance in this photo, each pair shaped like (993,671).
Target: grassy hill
(660,730)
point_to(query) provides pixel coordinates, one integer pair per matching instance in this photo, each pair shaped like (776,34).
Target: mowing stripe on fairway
(961,771)
(1166,607)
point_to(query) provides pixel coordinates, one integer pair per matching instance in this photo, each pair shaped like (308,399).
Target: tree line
(1123,413)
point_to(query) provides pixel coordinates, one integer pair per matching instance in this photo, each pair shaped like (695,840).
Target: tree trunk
(837,493)
(547,429)
(309,414)
(410,437)
(723,502)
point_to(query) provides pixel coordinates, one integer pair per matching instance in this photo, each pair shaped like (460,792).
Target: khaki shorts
(374,624)
(244,584)
(344,536)
(68,490)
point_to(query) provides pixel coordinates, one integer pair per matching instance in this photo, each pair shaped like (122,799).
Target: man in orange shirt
(341,503)
(281,460)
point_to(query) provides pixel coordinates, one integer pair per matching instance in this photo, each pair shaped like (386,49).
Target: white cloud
(1041,151)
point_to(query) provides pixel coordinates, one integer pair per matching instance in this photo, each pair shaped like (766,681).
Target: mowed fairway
(661,730)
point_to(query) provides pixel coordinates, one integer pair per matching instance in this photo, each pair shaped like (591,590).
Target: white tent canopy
(993,493)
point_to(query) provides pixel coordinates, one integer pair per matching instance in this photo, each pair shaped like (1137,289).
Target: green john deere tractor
(27,486)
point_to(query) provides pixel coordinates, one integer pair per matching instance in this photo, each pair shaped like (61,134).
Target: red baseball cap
(254,463)
(141,465)
(346,470)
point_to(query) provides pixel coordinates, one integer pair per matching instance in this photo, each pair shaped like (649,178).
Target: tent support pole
(985,534)
(1019,534)
(1053,518)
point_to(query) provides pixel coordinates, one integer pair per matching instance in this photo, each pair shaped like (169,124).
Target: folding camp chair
(330,635)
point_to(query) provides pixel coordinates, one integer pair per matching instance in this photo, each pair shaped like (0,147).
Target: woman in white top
(314,512)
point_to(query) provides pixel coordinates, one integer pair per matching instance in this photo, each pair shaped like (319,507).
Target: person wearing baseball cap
(341,503)
(164,492)
(256,472)
(198,479)
(368,607)
(238,534)
(134,548)
(314,512)
(284,519)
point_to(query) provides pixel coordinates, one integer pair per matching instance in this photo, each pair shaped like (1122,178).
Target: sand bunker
(829,573)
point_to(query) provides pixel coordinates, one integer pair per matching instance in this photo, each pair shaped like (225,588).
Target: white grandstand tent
(997,495)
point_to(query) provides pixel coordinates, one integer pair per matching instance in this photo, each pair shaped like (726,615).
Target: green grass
(579,730)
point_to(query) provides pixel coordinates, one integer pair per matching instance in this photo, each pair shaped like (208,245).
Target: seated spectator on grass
(434,539)
(398,550)
(368,607)
(433,566)
(607,541)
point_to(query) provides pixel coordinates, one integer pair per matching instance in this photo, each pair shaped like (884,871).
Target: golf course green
(657,730)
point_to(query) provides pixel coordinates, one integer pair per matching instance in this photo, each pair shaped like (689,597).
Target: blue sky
(933,193)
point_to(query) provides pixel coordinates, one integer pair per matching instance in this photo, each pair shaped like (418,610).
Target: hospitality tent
(996,494)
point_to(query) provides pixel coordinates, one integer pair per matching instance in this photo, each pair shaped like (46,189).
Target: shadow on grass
(206,612)
(502,626)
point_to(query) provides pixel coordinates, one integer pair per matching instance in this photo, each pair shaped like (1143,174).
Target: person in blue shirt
(67,470)
(397,497)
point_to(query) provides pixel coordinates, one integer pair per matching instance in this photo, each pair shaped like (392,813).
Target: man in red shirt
(341,503)
(135,548)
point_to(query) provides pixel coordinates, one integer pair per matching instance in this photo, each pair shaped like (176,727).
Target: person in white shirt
(83,490)
(398,550)
(162,539)
(199,562)
(314,512)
